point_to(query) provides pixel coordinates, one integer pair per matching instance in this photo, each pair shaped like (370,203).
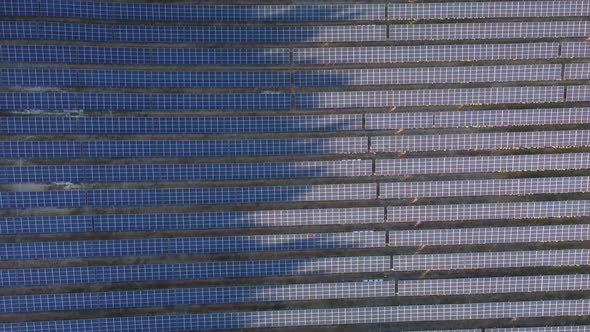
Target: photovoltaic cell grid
(479,164)
(424,53)
(202,270)
(143,56)
(479,141)
(177,172)
(186,33)
(46,224)
(412,11)
(143,101)
(308,317)
(460,236)
(147,79)
(504,30)
(167,125)
(575,50)
(458,96)
(219,244)
(496,118)
(191,296)
(525,186)
(178,196)
(427,75)
(577,71)
(491,260)
(162,12)
(484,211)
(169,148)
(467,286)
(578,93)
(580,328)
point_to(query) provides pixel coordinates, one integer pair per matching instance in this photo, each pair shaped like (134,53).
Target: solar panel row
(491,260)
(191,296)
(578,93)
(178,196)
(479,31)
(200,270)
(485,211)
(477,164)
(167,125)
(277,56)
(455,188)
(577,71)
(143,56)
(308,317)
(167,148)
(197,220)
(162,12)
(147,79)
(162,79)
(40,30)
(143,101)
(580,328)
(492,235)
(468,286)
(214,244)
(480,141)
(177,172)
(413,11)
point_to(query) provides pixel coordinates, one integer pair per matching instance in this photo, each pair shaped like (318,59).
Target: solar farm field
(373,166)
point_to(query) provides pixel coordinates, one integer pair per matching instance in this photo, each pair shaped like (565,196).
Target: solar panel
(178,196)
(578,93)
(147,79)
(19,8)
(200,270)
(468,286)
(580,328)
(424,53)
(575,50)
(480,141)
(427,75)
(458,96)
(491,211)
(187,245)
(168,125)
(167,148)
(409,120)
(504,30)
(178,172)
(414,11)
(191,33)
(143,56)
(491,235)
(456,188)
(192,296)
(215,13)
(577,71)
(480,164)
(142,101)
(46,224)
(238,219)
(491,260)
(309,317)
(526,117)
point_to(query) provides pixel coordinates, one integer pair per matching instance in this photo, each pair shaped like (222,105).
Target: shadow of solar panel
(186,271)
(237,219)
(491,260)
(414,11)
(467,286)
(203,245)
(504,30)
(425,53)
(46,224)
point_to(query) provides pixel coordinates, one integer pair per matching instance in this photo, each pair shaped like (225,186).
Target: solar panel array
(327,152)
(544,329)
(463,286)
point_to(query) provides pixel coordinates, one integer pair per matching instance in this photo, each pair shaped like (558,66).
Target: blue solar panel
(215,244)
(145,125)
(19,8)
(143,101)
(34,149)
(39,199)
(57,173)
(201,270)
(46,224)
(135,55)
